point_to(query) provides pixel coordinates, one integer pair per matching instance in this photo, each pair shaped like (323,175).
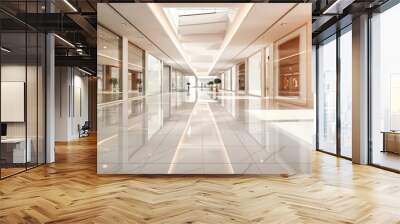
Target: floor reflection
(204,133)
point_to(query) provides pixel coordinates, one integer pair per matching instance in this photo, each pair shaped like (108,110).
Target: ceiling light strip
(70,5)
(326,11)
(64,40)
(84,71)
(5,50)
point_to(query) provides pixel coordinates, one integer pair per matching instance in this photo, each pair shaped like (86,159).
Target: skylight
(199,11)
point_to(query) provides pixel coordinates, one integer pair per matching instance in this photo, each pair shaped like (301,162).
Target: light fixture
(337,7)
(105,47)
(86,72)
(70,5)
(64,40)
(5,50)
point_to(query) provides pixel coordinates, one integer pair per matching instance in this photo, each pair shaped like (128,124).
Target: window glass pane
(346,93)
(385,87)
(327,96)
(14,153)
(109,62)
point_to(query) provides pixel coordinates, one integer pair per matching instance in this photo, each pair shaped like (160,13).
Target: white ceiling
(203,38)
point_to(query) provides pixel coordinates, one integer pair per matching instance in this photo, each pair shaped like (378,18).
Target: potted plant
(114,82)
(217,81)
(188,86)
(211,83)
(140,86)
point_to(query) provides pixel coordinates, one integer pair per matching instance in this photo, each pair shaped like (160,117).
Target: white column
(124,68)
(50,98)
(246,76)
(162,76)
(146,73)
(360,90)
(123,134)
(262,73)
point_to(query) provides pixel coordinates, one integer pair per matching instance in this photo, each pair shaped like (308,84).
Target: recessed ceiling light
(105,47)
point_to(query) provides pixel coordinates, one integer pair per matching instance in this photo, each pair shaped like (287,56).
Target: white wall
(153,75)
(234,78)
(254,74)
(69,82)
(166,79)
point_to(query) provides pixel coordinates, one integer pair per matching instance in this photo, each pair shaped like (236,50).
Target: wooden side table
(391,141)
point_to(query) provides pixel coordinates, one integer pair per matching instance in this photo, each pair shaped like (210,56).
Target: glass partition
(22,94)
(15,151)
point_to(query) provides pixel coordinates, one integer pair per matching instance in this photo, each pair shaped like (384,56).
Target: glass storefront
(109,63)
(135,71)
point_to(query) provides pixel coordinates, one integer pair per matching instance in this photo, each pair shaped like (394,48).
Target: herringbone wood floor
(70,191)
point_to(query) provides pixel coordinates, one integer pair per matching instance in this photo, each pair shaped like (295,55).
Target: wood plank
(70,191)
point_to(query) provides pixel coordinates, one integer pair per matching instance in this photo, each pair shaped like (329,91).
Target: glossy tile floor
(204,133)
